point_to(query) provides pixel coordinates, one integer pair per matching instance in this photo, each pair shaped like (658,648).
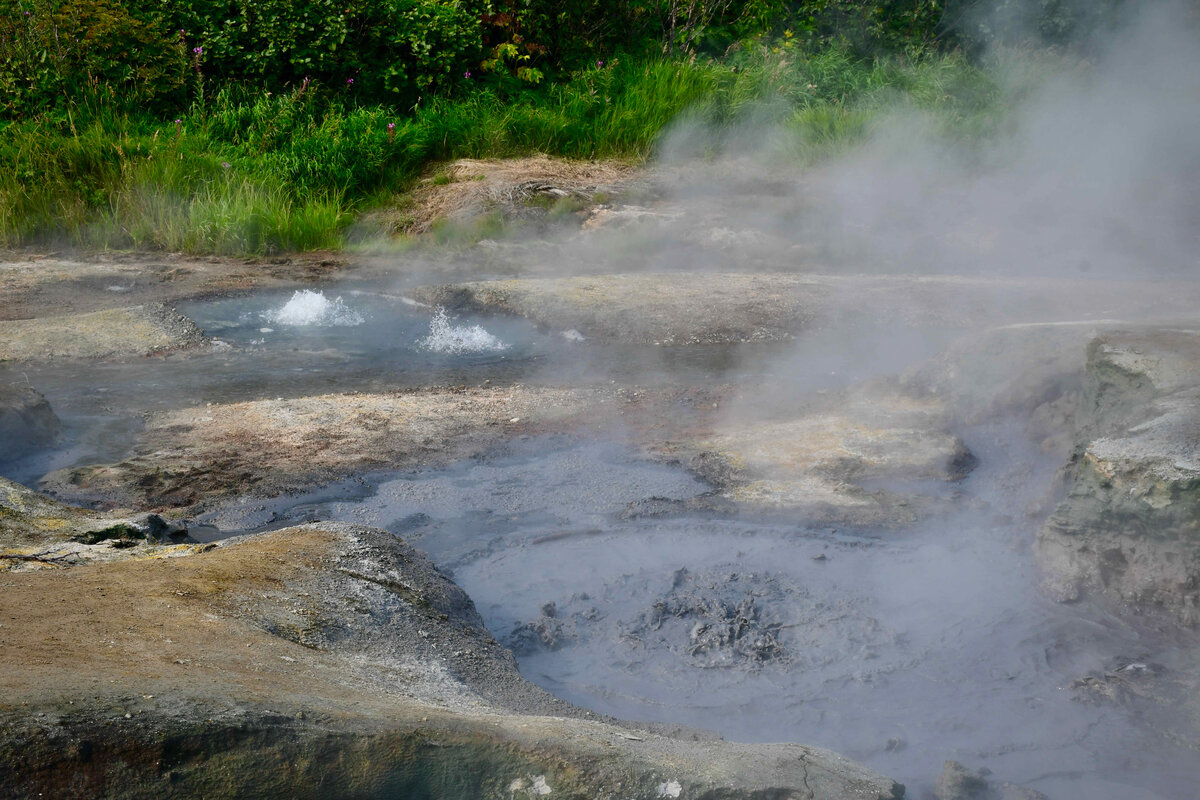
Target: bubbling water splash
(457,339)
(313,308)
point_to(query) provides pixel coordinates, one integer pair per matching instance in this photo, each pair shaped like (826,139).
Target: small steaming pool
(371,338)
(361,325)
(274,344)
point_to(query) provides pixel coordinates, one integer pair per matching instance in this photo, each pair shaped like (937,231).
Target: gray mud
(899,649)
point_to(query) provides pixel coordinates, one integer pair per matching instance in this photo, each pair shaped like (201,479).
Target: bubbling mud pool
(899,649)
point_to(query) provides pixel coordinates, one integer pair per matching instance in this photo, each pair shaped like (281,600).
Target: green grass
(259,173)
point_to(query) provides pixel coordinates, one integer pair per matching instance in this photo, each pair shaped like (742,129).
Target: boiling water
(446,337)
(308,307)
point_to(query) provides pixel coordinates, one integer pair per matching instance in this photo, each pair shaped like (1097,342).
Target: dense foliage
(252,125)
(292,169)
(163,54)
(160,54)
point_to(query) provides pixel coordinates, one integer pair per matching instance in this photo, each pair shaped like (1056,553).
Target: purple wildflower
(599,65)
(467,74)
(198,51)
(391,126)
(349,81)
(225,164)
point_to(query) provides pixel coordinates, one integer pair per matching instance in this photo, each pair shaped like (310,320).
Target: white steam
(1093,169)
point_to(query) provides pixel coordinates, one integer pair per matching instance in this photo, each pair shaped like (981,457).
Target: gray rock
(27,422)
(959,783)
(1128,531)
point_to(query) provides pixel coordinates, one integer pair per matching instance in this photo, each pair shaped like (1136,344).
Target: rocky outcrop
(464,191)
(114,333)
(26,422)
(1128,531)
(325,660)
(37,533)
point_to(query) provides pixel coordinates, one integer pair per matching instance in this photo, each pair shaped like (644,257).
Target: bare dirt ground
(36,285)
(469,187)
(187,458)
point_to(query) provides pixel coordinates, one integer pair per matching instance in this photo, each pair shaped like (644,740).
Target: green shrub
(53,54)
(391,51)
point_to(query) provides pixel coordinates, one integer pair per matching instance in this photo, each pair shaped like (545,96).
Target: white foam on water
(313,308)
(457,339)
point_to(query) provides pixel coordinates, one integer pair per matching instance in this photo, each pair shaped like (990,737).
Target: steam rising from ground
(1095,168)
(1092,172)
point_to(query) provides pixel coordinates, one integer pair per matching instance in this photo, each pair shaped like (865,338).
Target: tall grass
(258,173)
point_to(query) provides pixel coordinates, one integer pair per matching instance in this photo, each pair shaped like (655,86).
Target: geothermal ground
(599,511)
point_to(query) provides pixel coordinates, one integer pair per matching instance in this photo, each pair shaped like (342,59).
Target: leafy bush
(55,53)
(392,51)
